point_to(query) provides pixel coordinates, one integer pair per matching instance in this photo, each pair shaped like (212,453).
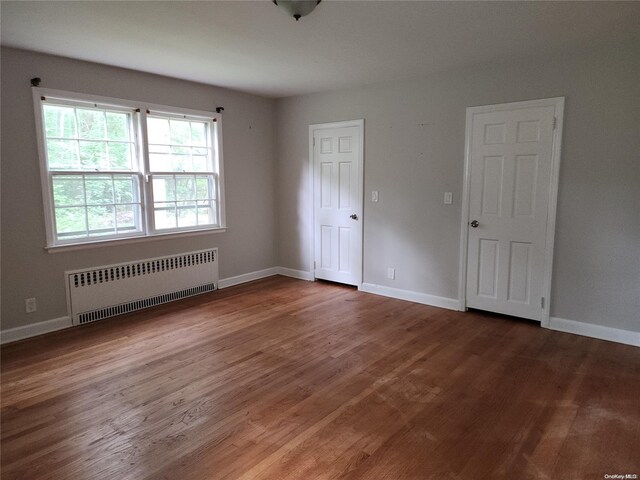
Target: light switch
(448,198)
(374,196)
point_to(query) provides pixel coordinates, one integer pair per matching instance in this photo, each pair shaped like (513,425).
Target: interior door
(510,162)
(337,160)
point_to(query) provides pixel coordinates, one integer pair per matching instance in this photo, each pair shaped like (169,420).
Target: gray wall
(414,152)
(414,145)
(29,271)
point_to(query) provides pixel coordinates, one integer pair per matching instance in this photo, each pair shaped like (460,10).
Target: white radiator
(101,292)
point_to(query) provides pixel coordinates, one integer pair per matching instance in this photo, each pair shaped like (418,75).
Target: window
(112,170)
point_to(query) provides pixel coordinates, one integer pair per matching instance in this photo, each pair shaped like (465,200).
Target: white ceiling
(254,47)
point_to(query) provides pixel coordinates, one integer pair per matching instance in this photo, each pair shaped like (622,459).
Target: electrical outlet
(448,198)
(391,273)
(374,196)
(30,305)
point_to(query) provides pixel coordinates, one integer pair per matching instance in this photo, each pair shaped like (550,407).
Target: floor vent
(110,290)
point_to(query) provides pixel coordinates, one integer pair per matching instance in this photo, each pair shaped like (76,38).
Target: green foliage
(183,200)
(100,141)
(107,202)
(89,141)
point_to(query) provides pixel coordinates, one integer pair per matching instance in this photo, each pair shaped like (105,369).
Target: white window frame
(140,110)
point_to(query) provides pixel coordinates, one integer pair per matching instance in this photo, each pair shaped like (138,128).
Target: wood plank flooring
(285,379)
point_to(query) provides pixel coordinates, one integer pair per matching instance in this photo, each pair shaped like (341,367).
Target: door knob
(354,216)
(474,224)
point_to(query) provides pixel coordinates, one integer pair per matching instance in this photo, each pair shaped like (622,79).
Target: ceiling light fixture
(297,8)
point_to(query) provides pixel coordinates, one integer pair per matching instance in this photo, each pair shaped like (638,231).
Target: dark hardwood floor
(285,379)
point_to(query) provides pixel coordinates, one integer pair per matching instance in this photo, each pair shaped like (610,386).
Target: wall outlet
(374,196)
(30,305)
(448,198)
(391,273)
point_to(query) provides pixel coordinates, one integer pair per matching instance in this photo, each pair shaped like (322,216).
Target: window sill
(123,241)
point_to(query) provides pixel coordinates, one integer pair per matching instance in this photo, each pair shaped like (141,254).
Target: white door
(338,178)
(510,164)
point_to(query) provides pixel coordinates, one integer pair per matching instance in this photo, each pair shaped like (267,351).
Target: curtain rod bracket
(35,81)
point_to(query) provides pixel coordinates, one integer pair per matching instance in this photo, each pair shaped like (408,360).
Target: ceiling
(254,47)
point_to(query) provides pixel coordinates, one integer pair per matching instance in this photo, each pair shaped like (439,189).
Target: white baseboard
(20,333)
(247,277)
(299,274)
(417,297)
(267,272)
(595,331)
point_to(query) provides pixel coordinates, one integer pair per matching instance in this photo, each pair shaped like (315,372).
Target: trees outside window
(112,170)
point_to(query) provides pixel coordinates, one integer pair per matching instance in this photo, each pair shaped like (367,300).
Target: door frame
(359,123)
(558,103)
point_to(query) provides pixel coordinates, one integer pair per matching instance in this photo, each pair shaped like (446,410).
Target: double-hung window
(112,169)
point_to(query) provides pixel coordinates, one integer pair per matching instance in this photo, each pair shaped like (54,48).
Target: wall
(248,134)
(414,152)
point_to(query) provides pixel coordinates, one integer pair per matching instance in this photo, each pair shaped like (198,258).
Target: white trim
(123,241)
(358,123)
(139,132)
(551,211)
(34,329)
(267,272)
(299,274)
(411,296)
(247,277)
(610,334)
(558,103)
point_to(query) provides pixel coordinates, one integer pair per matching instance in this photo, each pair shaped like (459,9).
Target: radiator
(101,292)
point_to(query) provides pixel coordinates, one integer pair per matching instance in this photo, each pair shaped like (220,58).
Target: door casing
(312,129)
(558,103)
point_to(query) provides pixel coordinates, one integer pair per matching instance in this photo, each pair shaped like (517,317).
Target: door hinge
(542,303)
(314,141)
(314,264)
(555,122)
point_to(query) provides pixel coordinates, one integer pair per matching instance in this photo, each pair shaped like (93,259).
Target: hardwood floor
(285,379)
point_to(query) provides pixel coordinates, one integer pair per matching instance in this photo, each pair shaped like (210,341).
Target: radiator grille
(144,267)
(109,290)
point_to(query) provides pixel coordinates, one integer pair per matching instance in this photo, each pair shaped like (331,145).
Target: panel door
(510,175)
(338,205)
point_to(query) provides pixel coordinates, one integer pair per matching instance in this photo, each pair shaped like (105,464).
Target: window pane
(126,218)
(160,158)
(164,189)
(125,189)
(206,216)
(117,126)
(202,188)
(60,121)
(99,189)
(187,214)
(120,156)
(198,134)
(159,162)
(92,124)
(68,190)
(101,220)
(158,130)
(62,154)
(71,222)
(93,155)
(185,188)
(201,159)
(180,159)
(165,215)
(180,132)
